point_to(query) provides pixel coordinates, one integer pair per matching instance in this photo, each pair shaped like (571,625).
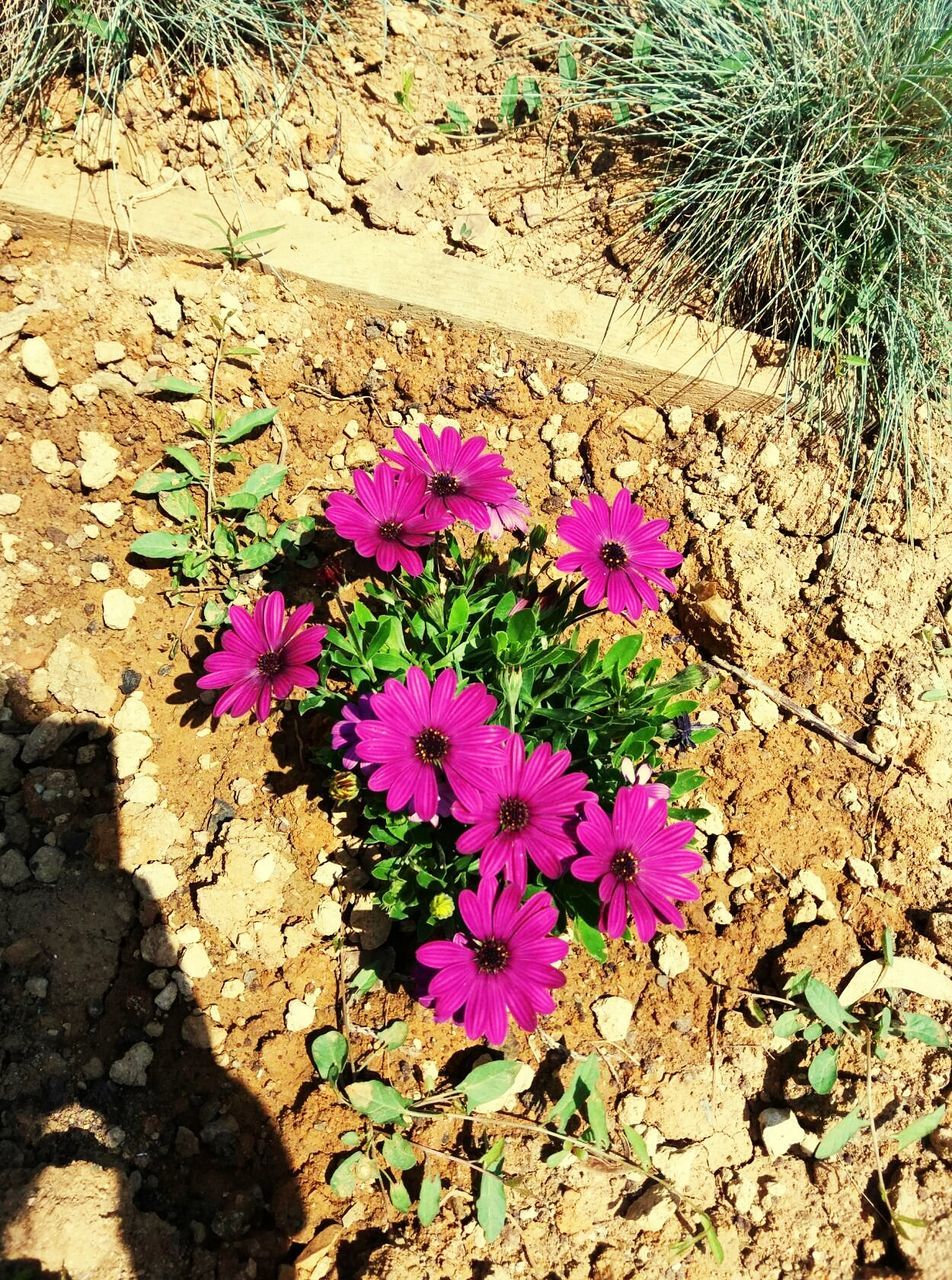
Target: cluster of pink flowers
(429,748)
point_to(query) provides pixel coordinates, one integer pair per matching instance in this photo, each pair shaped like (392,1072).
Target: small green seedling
(382,1148)
(403,94)
(235,249)
(457,124)
(520,101)
(222,535)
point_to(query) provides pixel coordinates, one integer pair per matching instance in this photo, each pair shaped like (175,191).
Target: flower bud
(441,908)
(344,786)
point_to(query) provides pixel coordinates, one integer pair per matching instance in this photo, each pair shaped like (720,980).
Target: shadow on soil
(160,1168)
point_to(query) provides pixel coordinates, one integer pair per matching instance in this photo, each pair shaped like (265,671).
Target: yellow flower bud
(442,907)
(343,786)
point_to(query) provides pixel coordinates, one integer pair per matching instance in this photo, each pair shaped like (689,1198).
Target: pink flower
(344,732)
(525,809)
(511,514)
(641,864)
(386,519)
(505,966)
(462,482)
(421,735)
(262,657)
(621,555)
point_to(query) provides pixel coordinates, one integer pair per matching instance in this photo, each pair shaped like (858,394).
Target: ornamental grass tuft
(789,167)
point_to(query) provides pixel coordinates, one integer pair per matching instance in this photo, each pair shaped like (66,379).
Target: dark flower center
(431,746)
(444,484)
(613,555)
(624,866)
(513,814)
(270,663)
(492,956)
(390,530)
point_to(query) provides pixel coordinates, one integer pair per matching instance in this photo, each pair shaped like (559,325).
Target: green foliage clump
(794,160)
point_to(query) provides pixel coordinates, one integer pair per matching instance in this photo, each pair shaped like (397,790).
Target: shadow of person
(127,1152)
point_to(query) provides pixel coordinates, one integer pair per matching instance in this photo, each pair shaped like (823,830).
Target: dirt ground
(175,894)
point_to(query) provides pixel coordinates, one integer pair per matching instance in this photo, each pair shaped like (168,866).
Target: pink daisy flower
(640,863)
(512,515)
(620,553)
(462,482)
(262,657)
(386,520)
(527,808)
(505,965)
(423,734)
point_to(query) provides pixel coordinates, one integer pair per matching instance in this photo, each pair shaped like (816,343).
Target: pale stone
(75,681)
(298,1016)
(863,872)
(47,864)
(631,1109)
(672,955)
(10,504)
(155,881)
(567,470)
(195,962)
(45,457)
(100,460)
(232,989)
(627,469)
(133,715)
(107,513)
(38,361)
(130,749)
(644,423)
(166,316)
(109,352)
(613,1016)
(158,948)
(200,1031)
(60,402)
(360,453)
(130,1069)
(829,714)
(327,917)
(565,444)
(769,456)
(574,393)
(118,609)
(138,579)
(780,1130)
(13,868)
(763,711)
(142,790)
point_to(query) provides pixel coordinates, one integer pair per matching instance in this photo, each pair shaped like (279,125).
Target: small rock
(38,988)
(762,711)
(360,453)
(883,740)
(671,955)
(109,353)
(719,913)
(131,1068)
(166,316)
(829,714)
(166,997)
(574,393)
(809,882)
(653,1210)
(96,140)
(358,161)
(60,402)
(627,469)
(565,444)
(138,579)
(38,361)
(143,789)
(328,917)
(45,457)
(536,385)
(129,750)
(158,948)
(613,1016)
(297,180)
(298,1016)
(47,864)
(200,1031)
(195,962)
(769,456)
(13,868)
(133,715)
(100,460)
(780,1130)
(644,423)
(475,230)
(118,609)
(567,470)
(107,513)
(863,872)
(10,504)
(631,1108)
(325,185)
(155,881)
(680,418)
(75,680)
(232,989)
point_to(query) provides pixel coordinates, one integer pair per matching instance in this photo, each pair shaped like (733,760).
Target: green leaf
(161,546)
(920,1128)
(488,1082)
(711,1239)
(431,1189)
(343,1181)
(568,66)
(598,1120)
(919,1026)
(532,95)
(160,482)
(224,542)
(400,1196)
(934,695)
(639,1148)
(591,939)
(329,1055)
(583,1083)
(350,1138)
(214,614)
(509,99)
(179,505)
(377,1101)
(812,1031)
(459,614)
(889,947)
(788,1024)
(459,121)
(622,653)
(521,627)
(187,459)
(173,387)
(826,1005)
(262,482)
(238,501)
(194,563)
(398,1153)
(393,1035)
(491,1200)
(247,423)
(255,555)
(836,1138)
(822,1071)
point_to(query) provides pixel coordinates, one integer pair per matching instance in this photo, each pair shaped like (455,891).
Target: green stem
(211,496)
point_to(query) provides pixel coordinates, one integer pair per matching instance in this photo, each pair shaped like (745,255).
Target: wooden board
(663,360)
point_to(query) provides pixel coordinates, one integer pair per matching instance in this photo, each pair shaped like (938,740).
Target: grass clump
(796,160)
(96,40)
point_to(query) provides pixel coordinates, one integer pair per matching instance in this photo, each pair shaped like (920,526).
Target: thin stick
(801,713)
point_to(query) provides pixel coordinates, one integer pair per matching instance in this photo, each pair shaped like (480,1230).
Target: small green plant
(386,1146)
(235,249)
(223,534)
(521,100)
(858,1023)
(403,95)
(458,123)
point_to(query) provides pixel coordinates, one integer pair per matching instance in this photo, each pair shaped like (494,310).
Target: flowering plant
(490,750)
